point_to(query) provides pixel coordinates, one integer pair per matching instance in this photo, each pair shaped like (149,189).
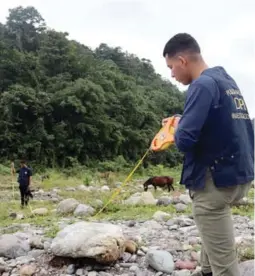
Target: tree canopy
(62,102)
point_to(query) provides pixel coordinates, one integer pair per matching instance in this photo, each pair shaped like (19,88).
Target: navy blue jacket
(24,174)
(215,132)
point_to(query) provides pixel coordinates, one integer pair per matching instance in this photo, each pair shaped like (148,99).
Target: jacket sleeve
(198,102)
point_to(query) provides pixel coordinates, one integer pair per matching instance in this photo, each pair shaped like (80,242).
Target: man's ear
(182,60)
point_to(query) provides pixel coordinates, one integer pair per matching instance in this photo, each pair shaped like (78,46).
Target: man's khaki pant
(212,215)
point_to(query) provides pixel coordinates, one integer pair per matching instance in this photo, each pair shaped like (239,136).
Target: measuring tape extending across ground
(117,191)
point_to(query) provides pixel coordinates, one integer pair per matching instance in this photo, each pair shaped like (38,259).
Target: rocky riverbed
(164,244)
(142,248)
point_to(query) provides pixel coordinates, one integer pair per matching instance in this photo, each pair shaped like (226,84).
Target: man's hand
(176,121)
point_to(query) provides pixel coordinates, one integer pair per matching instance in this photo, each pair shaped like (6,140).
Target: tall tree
(25,25)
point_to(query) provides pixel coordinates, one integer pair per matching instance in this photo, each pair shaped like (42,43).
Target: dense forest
(63,103)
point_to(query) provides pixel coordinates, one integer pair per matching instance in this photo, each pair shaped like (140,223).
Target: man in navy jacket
(24,180)
(216,136)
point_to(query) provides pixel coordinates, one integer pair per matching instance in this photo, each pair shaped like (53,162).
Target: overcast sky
(224,29)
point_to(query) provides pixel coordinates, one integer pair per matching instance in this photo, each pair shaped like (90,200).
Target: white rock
(70,189)
(183,272)
(67,206)
(105,188)
(152,224)
(133,200)
(160,260)
(188,229)
(145,198)
(164,200)
(97,203)
(92,273)
(247,268)
(82,188)
(84,210)
(148,199)
(27,270)
(40,211)
(20,216)
(12,246)
(185,199)
(102,241)
(180,207)
(161,216)
(2,262)
(244,240)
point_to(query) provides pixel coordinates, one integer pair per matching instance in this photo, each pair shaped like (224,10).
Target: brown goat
(160,181)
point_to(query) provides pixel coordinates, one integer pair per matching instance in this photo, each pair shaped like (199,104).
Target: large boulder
(101,241)
(12,246)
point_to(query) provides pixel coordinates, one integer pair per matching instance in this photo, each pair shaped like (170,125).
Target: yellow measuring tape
(13,189)
(117,191)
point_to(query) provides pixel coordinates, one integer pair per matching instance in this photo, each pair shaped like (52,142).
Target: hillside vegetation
(64,104)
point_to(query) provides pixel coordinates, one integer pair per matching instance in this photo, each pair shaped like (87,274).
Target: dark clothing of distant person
(24,185)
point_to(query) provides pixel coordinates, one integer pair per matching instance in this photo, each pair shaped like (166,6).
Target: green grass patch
(251,194)
(116,210)
(52,231)
(247,210)
(246,254)
(136,212)
(8,207)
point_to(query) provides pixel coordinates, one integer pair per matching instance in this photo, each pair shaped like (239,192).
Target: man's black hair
(181,42)
(23,161)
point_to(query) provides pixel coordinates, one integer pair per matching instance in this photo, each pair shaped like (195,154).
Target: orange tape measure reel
(165,137)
